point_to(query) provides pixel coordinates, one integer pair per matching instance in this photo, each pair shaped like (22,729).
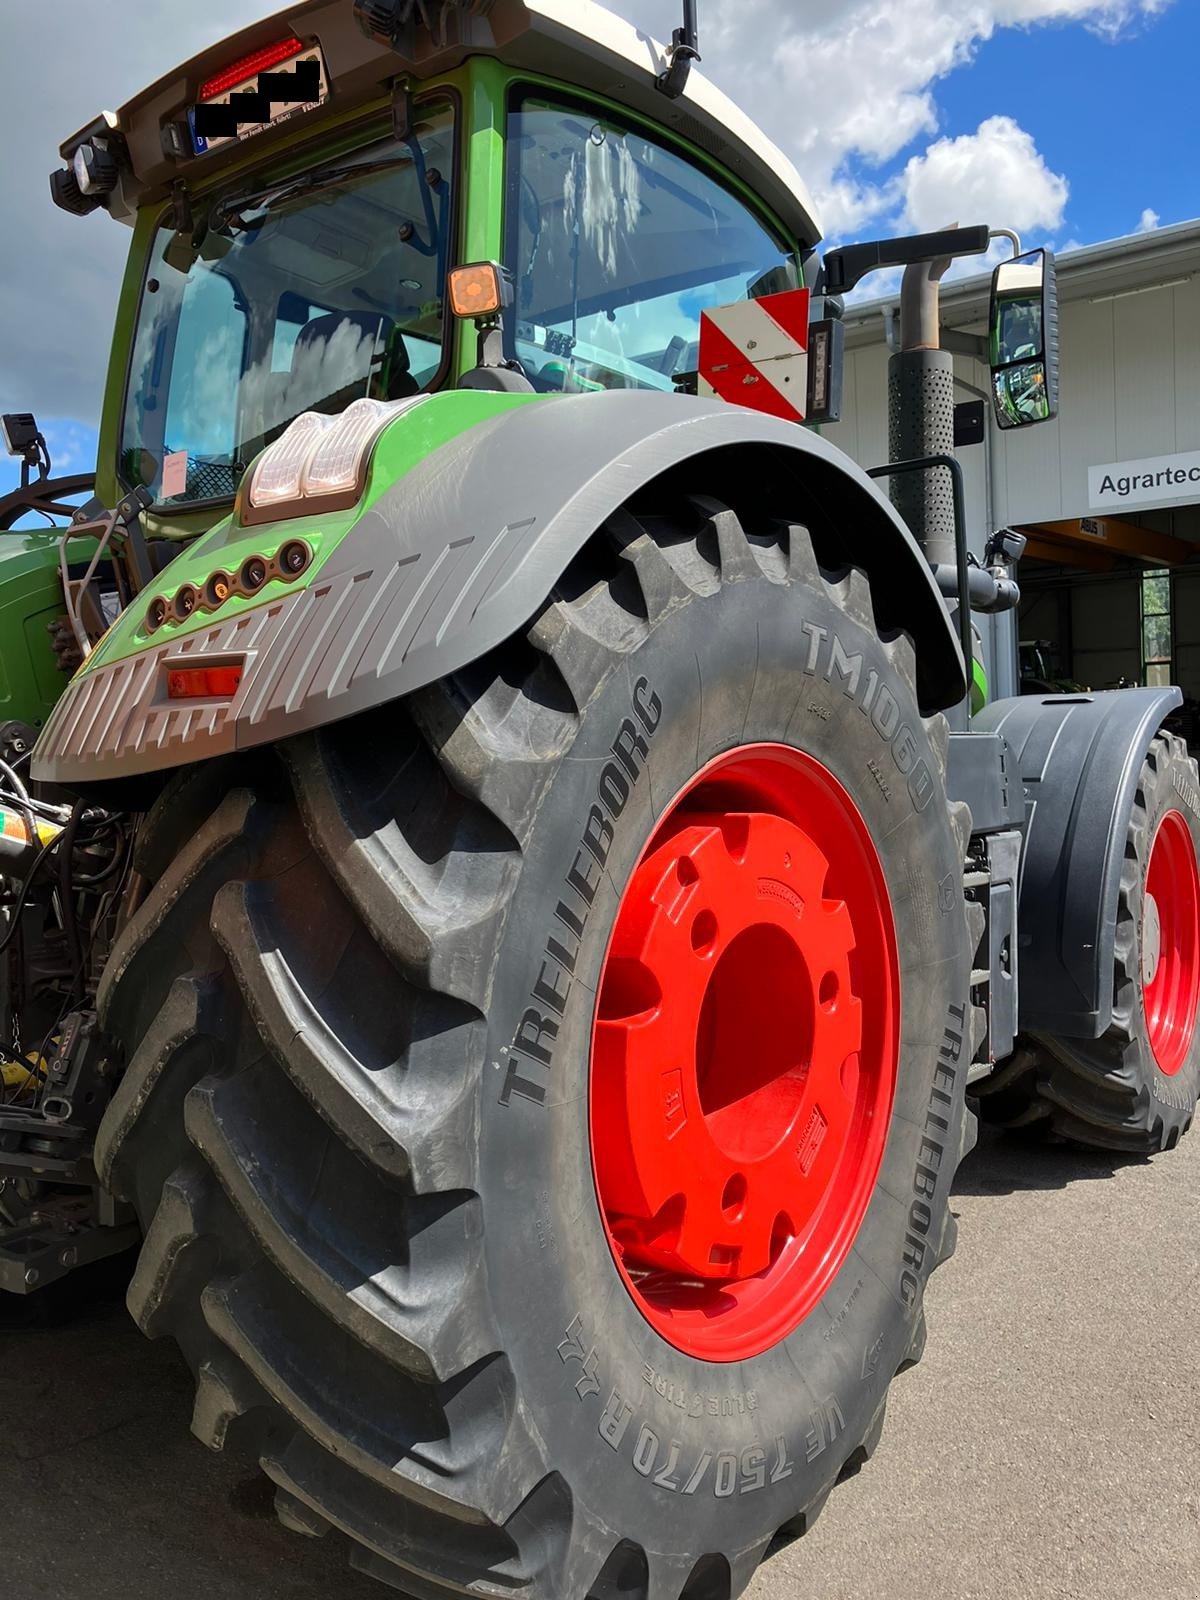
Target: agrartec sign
(1158,480)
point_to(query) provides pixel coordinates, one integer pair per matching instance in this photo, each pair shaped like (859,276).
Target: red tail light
(250,66)
(203,683)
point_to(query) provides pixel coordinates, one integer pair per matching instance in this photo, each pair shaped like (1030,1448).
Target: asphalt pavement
(1047,1448)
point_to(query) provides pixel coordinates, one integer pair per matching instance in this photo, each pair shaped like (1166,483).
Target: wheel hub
(745,1052)
(1171,943)
(1151,940)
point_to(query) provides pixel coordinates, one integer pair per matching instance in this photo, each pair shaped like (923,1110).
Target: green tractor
(511,904)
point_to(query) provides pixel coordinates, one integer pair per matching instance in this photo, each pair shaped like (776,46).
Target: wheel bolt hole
(828,992)
(733,1200)
(782,1234)
(704,933)
(686,872)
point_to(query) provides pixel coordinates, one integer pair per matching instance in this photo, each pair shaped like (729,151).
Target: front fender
(1079,757)
(461,552)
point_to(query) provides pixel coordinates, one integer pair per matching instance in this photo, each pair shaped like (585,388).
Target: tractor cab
(300,193)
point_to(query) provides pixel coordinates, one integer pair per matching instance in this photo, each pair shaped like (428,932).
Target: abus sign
(1158,480)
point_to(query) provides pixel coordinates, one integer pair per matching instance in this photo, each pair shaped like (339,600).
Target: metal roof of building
(1098,271)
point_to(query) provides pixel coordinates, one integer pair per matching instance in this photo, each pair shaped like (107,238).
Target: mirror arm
(966,344)
(845,268)
(1008,233)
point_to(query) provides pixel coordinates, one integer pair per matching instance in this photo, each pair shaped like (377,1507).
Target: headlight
(95,170)
(319,463)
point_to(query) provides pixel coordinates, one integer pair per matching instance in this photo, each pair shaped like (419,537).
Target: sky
(1069,120)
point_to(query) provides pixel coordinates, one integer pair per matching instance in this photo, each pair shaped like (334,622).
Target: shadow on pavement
(1002,1163)
(107,1494)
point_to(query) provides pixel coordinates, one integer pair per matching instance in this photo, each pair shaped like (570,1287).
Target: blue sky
(1117,118)
(1069,119)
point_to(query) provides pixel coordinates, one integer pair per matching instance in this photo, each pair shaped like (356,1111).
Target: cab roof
(575,41)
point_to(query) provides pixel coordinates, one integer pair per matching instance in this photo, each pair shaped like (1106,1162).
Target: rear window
(617,244)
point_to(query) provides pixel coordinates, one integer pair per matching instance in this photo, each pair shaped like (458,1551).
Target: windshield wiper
(229,213)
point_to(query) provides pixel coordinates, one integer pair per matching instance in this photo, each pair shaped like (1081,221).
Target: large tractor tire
(543,1095)
(1135,1088)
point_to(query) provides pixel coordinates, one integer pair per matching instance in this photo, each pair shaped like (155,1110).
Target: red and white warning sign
(755,354)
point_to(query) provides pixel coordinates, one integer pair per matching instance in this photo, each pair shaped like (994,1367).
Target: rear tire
(357,1008)
(1135,1088)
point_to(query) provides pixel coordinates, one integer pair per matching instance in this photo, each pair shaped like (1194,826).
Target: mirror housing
(1023,340)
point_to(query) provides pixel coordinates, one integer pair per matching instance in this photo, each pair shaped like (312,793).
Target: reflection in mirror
(1021,394)
(1023,340)
(1017,333)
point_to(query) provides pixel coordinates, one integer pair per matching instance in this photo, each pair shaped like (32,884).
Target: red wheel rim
(744,1052)
(1171,943)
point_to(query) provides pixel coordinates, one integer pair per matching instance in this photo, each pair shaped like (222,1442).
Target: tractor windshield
(618,244)
(299,296)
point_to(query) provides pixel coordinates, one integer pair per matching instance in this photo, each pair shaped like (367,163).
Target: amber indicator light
(476,291)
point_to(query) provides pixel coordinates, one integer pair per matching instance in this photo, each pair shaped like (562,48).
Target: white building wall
(1130,389)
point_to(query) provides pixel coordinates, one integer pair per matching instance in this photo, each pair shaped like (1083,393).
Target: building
(1108,494)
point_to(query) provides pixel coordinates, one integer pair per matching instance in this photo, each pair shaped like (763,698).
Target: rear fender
(1079,758)
(463,551)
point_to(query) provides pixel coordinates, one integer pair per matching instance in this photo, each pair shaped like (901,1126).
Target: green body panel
(980,689)
(415,434)
(30,599)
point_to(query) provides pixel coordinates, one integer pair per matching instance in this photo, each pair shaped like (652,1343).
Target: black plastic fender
(1079,757)
(464,550)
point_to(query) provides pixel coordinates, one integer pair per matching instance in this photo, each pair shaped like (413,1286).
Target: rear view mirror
(1023,340)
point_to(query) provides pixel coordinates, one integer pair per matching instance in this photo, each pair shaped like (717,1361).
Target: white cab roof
(575,41)
(595,30)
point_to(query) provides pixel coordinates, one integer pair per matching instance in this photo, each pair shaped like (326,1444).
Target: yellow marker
(22,1078)
(15,841)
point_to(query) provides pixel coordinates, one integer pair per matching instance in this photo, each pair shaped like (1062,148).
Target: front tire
(358,1009)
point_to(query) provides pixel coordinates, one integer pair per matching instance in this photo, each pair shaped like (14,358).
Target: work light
(319,463)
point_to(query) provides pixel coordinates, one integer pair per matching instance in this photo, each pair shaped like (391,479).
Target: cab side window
(617,245)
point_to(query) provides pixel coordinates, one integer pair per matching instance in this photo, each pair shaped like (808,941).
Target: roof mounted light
(385,20)
(94,158)
(95,169)
(68,196)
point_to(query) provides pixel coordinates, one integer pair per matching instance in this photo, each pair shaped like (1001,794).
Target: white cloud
(993,175)
(837,79)
(1149,221)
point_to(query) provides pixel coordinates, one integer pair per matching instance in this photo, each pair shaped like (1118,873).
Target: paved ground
(1048,1448)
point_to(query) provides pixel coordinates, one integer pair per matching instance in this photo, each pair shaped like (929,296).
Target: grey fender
(464,550)
(1079,758)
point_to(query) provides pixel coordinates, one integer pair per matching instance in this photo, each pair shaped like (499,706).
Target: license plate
(259,102)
